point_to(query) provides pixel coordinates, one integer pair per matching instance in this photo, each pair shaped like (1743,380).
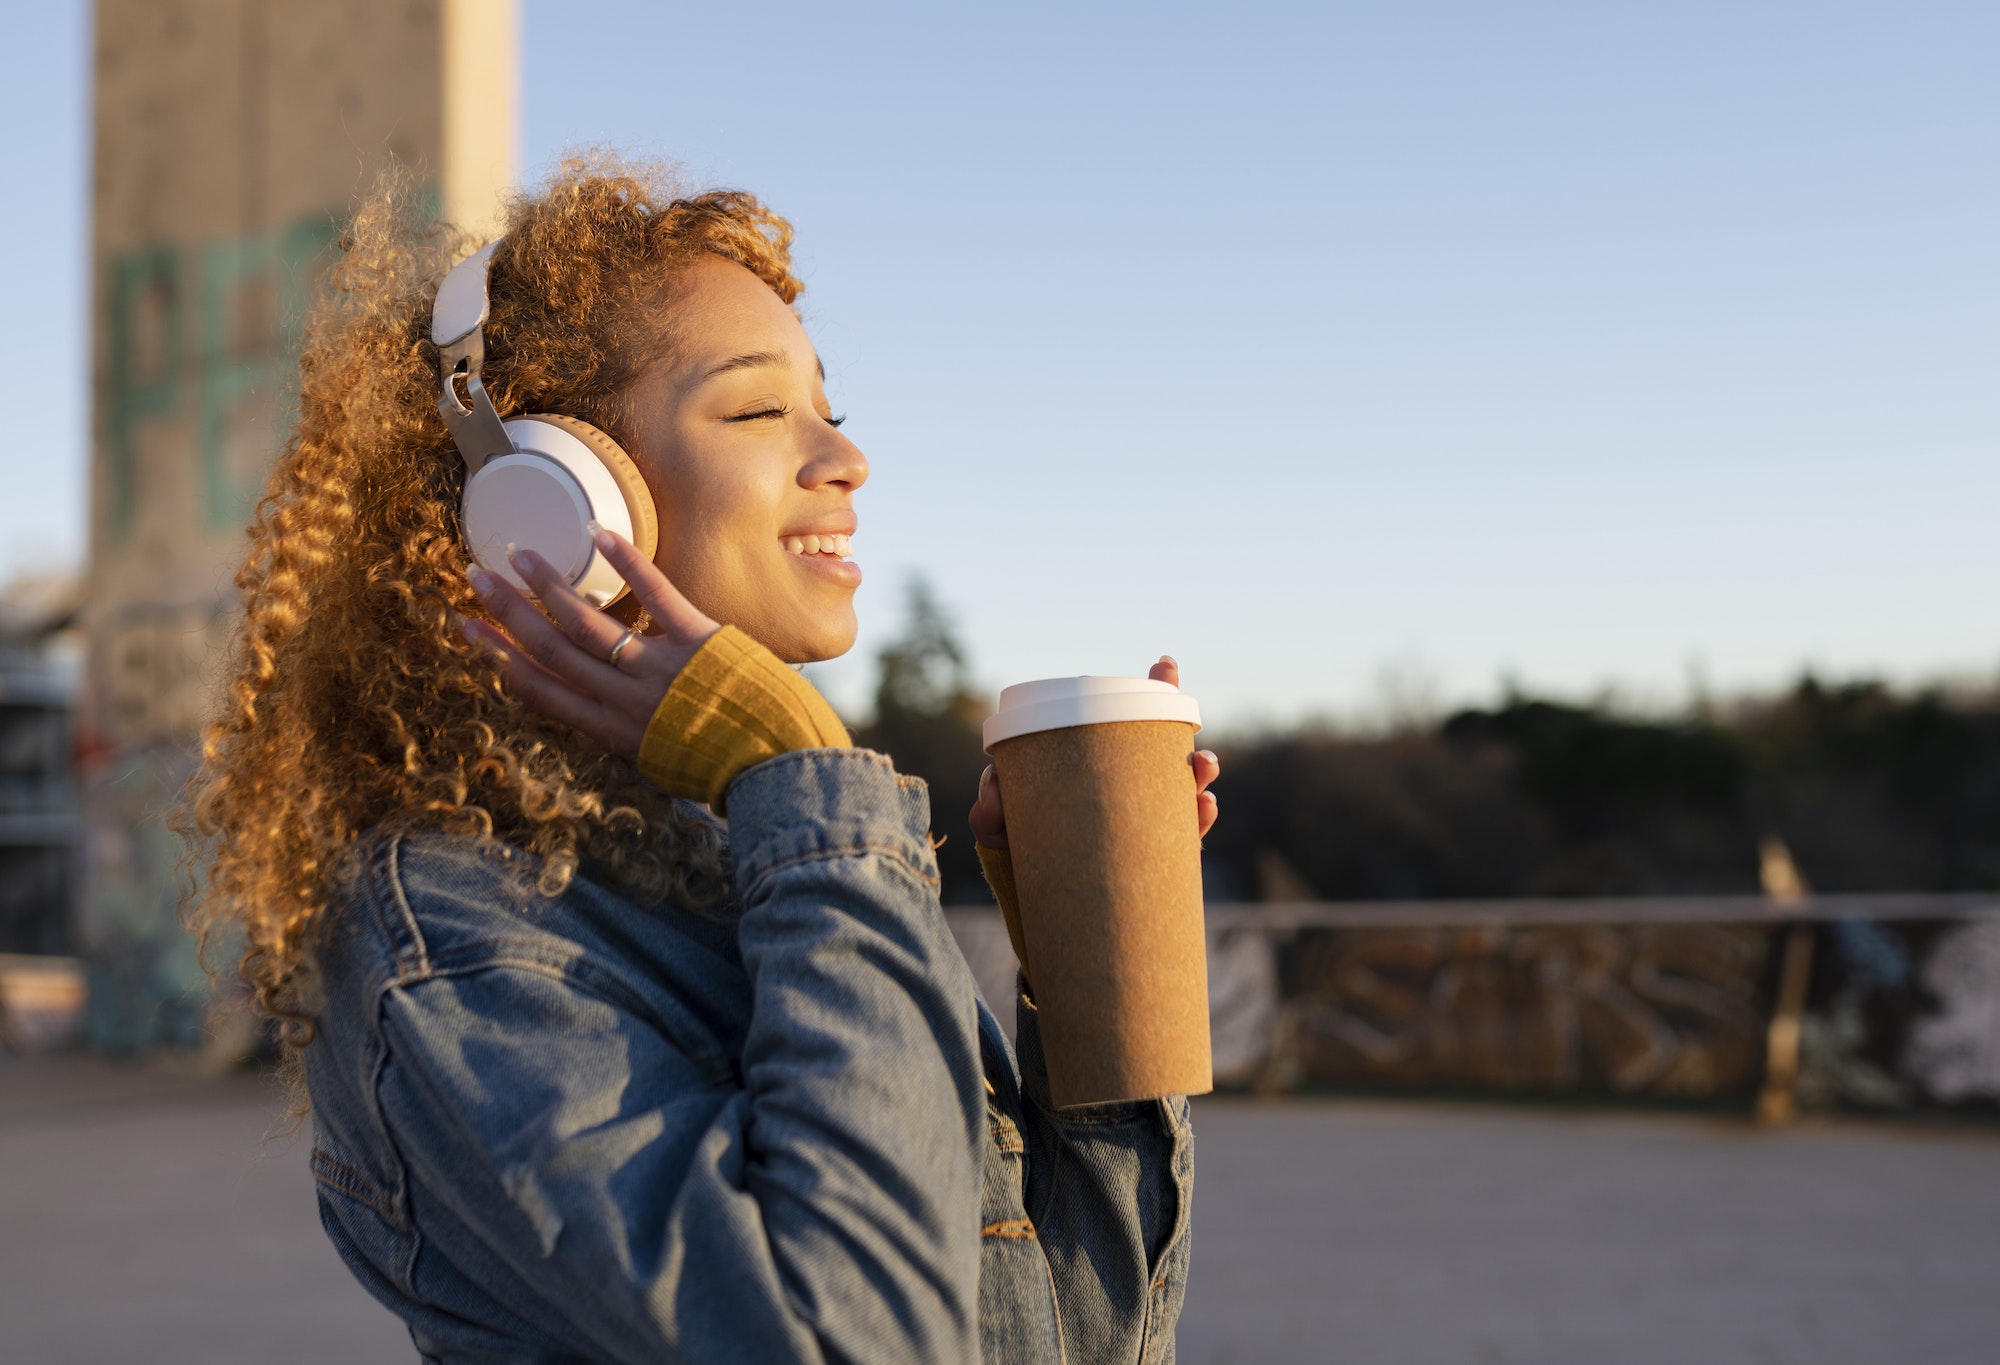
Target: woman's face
(734,436)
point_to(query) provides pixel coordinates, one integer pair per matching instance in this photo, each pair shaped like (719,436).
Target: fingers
(539,688)
(556,656)
(531,633)
(989,823)
(672,613)
(1207,767)
(588,628)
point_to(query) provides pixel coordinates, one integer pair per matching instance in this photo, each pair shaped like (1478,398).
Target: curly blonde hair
(354,701)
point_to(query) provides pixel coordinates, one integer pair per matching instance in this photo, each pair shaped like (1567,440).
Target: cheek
(718,536)
(705,509)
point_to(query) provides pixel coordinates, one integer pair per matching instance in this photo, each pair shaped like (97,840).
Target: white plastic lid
(1057,703)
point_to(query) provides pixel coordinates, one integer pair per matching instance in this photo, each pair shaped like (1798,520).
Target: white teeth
(829,544)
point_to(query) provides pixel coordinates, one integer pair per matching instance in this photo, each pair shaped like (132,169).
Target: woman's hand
(989,823)
(562,666)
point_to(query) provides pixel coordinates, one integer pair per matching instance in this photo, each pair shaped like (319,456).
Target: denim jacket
(572,1129)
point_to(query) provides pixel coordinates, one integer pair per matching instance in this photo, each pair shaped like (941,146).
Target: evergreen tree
(928,718)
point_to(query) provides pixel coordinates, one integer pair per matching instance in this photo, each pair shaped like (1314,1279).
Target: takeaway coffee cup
(1099,796)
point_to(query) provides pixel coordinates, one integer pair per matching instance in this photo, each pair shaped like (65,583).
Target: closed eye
(780,411)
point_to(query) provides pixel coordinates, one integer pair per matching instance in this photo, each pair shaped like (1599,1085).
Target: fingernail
(519,559)
(1209,754)
(468,630)
(481,581)
(1168,659)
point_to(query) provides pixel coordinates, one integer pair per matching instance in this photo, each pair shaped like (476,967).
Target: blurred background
(1557,441)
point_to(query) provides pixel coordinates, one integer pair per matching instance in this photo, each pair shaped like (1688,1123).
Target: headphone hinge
(458,319)
(473,421)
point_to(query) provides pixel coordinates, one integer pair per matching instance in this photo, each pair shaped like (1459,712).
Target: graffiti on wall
(1633,1009)
(196,391)
(1899,1012)
(210,332)
(155,665)
(1953,1051)
(147,986)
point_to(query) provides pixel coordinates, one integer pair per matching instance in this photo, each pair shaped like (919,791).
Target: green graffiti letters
(250,296)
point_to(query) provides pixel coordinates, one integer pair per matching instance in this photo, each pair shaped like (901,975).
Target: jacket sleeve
(1110,1192)
(820,1206)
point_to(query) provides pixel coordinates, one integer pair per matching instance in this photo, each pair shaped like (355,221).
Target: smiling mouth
(830,546)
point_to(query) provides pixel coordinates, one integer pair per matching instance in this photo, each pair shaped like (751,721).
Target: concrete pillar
(232,138)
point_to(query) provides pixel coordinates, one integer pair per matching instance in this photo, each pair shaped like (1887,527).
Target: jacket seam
(344,1180)
(712,1063)
(801,757)
(1004,1134)
(1055,1312)
(419,964)
(1161,1271)
(412,953)
(829,852)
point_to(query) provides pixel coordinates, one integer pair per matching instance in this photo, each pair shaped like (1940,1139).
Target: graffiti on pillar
(197,388)
(155,665)
(146,984)
(151,686)
(211,333)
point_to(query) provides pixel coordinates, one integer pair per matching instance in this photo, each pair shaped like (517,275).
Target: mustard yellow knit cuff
(733,706)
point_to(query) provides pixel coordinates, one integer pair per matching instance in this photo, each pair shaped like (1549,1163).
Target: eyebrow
(757,360)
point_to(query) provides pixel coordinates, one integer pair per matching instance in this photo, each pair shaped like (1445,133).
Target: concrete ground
(143,1217)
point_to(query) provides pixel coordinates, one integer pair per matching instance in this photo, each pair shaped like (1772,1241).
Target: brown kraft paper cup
(1106,852)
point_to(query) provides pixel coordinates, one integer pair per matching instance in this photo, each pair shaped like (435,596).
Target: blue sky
(1351,352)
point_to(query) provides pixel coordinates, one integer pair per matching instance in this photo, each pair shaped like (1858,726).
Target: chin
(815,642)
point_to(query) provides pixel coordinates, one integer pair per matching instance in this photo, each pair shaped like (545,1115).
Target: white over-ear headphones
(533,482)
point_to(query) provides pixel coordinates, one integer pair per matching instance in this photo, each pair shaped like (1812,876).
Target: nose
(836,462)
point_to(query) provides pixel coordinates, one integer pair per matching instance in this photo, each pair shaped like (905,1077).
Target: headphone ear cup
(638,497)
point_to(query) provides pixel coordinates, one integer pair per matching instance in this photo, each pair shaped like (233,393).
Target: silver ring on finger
(619,648)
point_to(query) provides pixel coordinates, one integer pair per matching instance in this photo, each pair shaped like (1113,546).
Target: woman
(593,1075)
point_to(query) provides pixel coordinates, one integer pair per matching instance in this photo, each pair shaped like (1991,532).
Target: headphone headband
(461,305)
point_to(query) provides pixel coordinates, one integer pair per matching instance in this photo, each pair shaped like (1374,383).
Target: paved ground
(1414,1233)
(143,1218)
